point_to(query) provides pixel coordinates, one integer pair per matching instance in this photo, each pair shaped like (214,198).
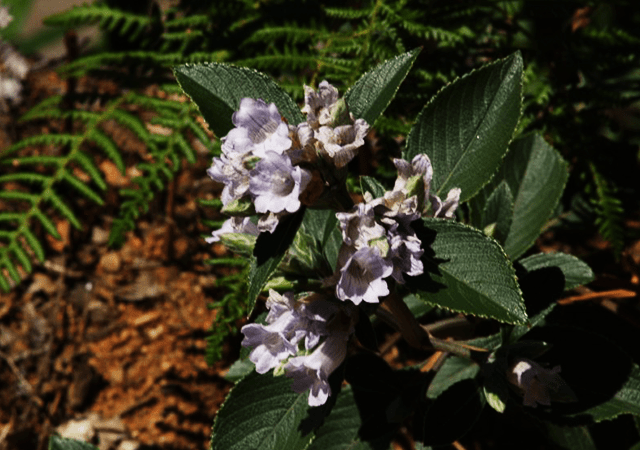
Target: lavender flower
(447,208)
(276,184)
(230,170)
(317,105)
(311,372)
(378,239)
(341,143)
(361,276)
(289,323)
(263,125)
(234,225)
(538,384)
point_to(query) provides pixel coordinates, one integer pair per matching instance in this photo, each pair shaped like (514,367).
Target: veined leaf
(453,370)
(625,401)
(60,443)
(373,186)
(466,127)
(341,427)
(498,213)
(218,88)
(576,272)
(373,92)
(574,438)
(477,275)
(268,252)
(262,413)
(323,226)
(536,175)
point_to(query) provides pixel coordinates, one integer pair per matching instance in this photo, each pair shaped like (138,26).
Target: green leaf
(576,272)
(571,438)
(477,275)
(269,251)
(322,224)
(466,128)
(417,307)
(453,370)
(453,413)
(218,88)
(239,369)
(498,213)
(373,92)
(536,174)
(625,401)
(371,185)
(341,427)
(60,443)
(262,413)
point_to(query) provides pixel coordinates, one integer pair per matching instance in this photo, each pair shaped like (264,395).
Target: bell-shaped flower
(230,171)
(234,225)
(538,384)
(276,184)
(270,343)
(264,127)
(311,372)
(359,226)
(405,256)
(317,105)
(420,166)
(362,276)
(341,144)
(446,208)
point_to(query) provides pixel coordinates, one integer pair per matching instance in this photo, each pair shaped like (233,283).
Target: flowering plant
(335,264)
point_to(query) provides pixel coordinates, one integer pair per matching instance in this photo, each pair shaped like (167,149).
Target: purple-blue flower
(362,276)
(311,372)
(276,184)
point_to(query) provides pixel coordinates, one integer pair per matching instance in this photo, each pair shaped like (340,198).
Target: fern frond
(17,239)
(188,22)
(349,13)
(117,21)
(166,150)
(86,64)
(291,34)
(609,212)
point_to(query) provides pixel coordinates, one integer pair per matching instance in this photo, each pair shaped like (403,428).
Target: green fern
(47,176)
(230,308)
(124,23)
(177,119)
(609,212)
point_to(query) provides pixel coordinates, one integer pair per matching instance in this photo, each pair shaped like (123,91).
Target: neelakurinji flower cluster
(270,168)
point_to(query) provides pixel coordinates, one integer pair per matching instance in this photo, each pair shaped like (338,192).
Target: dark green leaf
(371,185)
(571,438)
(625,401)
(262,413)
(453,413)
(466,128)
(479,278)
(417,307)
(536,174)
(60,443)
(218,88)
(498,213)
(373,92)
(323,226)
(341,427)
(576,272)
(453,370)
(239,369)
(268,252)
